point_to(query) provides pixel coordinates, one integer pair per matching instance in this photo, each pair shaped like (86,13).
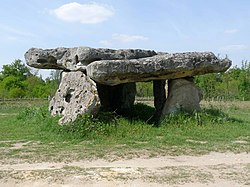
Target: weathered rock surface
(158,67)
(78,58)
(183,95)
(119,98)
(76,95)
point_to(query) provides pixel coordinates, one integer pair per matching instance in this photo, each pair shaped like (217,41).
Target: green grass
(110,136)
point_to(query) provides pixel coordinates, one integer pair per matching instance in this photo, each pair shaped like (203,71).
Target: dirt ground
(214,169)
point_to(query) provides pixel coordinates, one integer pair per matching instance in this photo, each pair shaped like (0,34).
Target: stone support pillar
(119,98)
(76,95)
(183,95)
(159,97)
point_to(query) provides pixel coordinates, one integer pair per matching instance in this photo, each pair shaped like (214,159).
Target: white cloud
(231,31)
(235,47)
(124,38)
(84,13)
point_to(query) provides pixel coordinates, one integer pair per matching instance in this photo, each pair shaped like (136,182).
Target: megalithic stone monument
(106,77)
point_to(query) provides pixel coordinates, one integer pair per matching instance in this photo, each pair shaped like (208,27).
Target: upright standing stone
(182,95)
(76,95)
(159,97)
(117,98)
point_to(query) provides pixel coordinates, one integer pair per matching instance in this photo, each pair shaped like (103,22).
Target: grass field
(28,133)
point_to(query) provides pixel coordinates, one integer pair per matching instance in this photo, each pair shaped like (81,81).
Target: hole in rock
(62,109)
(42,61)
(76,59)
(69,95)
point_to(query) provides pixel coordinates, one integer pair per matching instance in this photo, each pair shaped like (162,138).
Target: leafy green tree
(208,84)
(3,91)
(12,82)
(16,69)
(233,84)
(35,87)
(12,86)
(244,81)
(16,80)
(144,89)
(16,93)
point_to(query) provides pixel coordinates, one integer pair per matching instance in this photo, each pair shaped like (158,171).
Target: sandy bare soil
(214,169)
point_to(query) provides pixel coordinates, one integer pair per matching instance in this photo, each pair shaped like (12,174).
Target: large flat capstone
(158,67)
(77,58)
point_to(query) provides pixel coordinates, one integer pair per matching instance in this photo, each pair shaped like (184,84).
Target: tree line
(18,81)
(233,84)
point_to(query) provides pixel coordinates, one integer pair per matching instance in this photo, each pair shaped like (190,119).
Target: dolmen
(93,78)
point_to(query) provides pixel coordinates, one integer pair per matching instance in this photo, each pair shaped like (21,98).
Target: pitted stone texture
(183,95)
(158,67)
(78,58)
(119,98)
(76,95)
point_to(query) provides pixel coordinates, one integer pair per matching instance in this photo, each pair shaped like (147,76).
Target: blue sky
(220,26)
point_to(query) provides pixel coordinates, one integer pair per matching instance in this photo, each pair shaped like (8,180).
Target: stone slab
(77,58)
(158,67)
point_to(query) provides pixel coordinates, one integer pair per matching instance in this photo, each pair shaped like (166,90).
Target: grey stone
(78,58)
(76,95)
(158,67)
(119,98)
(182,95)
